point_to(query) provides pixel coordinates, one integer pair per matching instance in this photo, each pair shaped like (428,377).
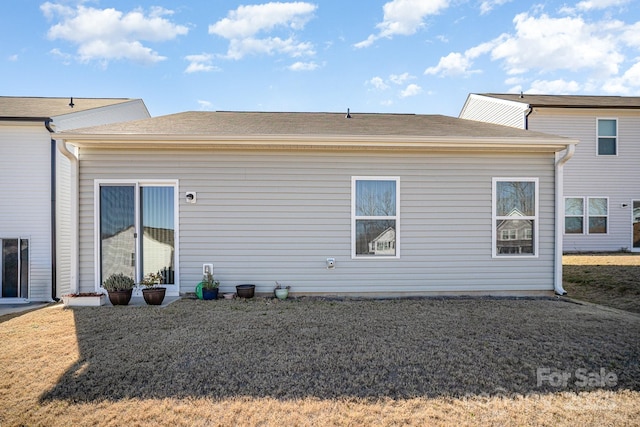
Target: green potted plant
(281,291)
(209,287)
(119,286)
(152,292)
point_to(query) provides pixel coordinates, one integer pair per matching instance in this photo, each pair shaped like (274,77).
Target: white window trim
(495,217)
(598,137)
(584,216)
(137,183)
(587,216)
(353,217)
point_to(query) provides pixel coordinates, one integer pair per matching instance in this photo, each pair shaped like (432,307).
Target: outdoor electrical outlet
(207,268)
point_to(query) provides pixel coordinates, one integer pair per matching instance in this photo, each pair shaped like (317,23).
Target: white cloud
(378,83)
(200,63)
(64,57)
(204,105)
(400,78)
(546,45)
(411,90)
(454,64)
(627,84)
(599,4)
(13,58)
(303,66)
(241,26)
(568,43)
(488,5)
(109,34)
(404,17)
(238,48)
(559,87)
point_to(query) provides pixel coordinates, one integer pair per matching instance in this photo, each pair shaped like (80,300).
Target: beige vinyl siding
(589,175)
(25,196)
(273,215)
(63,225)
(492,110)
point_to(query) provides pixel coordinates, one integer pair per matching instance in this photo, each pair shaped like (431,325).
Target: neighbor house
(365,204)
(35,188)
(602,198)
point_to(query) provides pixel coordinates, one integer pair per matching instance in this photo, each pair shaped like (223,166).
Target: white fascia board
(550,144)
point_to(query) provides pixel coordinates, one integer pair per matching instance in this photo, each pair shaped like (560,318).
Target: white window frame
(395,217)
(583,216)
(137,183)
(588,215)
(617,140)
(495,218)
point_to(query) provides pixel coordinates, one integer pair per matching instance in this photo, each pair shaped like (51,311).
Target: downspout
(54,244)
(527,113)
(557,285)
(64,150)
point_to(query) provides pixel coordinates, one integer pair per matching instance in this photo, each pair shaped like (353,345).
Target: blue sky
(399,56)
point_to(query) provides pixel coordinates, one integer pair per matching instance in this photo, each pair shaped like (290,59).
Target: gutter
(64,150)
(54,244)
(557,285)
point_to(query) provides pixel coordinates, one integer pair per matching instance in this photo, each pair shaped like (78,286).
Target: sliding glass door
(14,268)
(137,231)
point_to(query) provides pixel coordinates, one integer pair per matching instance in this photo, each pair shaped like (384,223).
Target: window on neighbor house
(375,217)
(574,215)
(515,213)
(14,268)
(607,137)
(598,211)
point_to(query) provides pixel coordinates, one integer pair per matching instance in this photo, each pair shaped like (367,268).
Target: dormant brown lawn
(608,279)
(322,362)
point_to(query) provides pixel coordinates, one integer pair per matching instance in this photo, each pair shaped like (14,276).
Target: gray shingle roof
(570,101)
(221,124)
(36,108)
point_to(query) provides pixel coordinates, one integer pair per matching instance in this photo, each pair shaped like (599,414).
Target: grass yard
(322,362)
(608,279)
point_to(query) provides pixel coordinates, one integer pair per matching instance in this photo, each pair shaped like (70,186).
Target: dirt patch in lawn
(608,279)
(322,362)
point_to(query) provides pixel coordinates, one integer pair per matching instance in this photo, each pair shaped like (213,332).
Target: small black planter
(245,291)
(209,294)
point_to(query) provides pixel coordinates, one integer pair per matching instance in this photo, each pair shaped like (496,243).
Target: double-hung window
(515,217)
(596,212)
(574,215)
(375,217)
(607,137)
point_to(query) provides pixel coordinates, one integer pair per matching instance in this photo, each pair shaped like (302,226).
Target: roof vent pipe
(348,116)
(71,104)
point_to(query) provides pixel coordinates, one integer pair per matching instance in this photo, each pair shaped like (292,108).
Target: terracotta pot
(120,297)
(154,296)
